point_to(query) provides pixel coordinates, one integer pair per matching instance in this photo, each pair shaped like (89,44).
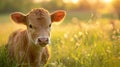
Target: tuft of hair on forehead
(39,11)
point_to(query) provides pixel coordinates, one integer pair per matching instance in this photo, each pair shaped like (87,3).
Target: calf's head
(38,22)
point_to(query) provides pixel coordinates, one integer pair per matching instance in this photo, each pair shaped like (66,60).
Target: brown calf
(28,47)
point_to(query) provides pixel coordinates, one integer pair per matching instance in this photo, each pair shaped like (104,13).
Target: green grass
(4,18)
(4,60)
(92,48)
(75,44)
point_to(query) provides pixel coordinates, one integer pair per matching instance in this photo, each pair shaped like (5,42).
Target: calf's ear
(58,15)
(18,17)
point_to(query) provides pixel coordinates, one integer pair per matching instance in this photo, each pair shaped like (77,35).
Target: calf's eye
(30,26)
(50,25)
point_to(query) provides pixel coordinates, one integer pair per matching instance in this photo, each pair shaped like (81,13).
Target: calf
(28,47)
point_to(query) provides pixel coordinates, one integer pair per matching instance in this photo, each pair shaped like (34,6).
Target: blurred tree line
(116,5)
(7,6)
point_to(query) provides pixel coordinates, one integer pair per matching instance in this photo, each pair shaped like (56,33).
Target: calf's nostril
(42,39)
(39,40)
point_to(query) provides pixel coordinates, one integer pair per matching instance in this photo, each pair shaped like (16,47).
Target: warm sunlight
(38,1)
(75,1)
(92,2)
(71,1)
(107,1)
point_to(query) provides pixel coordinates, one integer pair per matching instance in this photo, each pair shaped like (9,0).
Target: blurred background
(89,36)
(81,9)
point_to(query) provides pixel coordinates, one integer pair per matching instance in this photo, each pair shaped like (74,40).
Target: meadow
(79,41)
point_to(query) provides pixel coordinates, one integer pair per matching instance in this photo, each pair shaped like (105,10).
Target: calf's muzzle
(43,41)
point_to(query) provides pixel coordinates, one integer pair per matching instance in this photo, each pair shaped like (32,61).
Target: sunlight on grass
(82,44)
(6,29)
(89,36)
